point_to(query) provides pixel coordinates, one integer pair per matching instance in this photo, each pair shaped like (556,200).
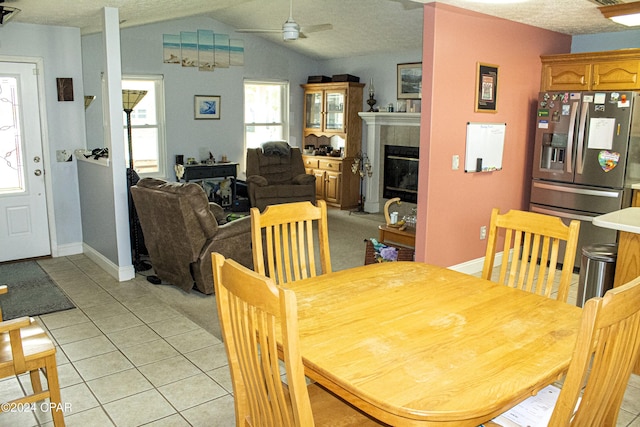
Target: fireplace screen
(401,173)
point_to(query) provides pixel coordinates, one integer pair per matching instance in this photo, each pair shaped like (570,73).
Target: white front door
(24,227)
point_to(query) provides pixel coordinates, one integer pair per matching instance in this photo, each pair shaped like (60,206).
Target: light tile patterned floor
(127,359)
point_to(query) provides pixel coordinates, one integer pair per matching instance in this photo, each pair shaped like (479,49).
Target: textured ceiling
(360,27)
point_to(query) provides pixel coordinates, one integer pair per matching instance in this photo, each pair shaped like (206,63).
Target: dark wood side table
(406,237)
(216,170)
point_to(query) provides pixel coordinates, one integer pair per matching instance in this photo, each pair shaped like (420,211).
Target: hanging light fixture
(624,13)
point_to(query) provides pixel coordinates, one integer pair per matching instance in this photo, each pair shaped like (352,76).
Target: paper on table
(534,412)
(601,133)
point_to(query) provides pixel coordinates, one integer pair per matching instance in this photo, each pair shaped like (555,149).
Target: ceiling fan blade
(257,30)
(316,28)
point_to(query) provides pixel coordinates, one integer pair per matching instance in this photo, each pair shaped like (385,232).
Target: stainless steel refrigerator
(586,157)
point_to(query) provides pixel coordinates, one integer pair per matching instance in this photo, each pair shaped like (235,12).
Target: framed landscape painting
(410,81)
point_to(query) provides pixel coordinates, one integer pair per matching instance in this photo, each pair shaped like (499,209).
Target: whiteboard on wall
(485,144)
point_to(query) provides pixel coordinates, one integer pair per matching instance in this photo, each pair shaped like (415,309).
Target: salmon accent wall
(453,205)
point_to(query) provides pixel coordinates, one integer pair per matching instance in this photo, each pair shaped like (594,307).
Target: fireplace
(401,173)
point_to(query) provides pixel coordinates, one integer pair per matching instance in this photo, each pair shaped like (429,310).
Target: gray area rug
(347,232)
(31,292)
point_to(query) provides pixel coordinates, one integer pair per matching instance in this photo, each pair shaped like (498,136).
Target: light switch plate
(63,155)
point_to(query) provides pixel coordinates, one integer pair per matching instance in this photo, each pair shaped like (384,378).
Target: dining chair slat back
(285,238)
(607,346)
(254,314)
(531,252)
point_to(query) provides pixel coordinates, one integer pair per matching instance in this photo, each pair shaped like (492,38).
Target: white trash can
(597,270)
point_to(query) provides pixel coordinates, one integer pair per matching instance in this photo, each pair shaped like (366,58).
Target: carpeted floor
(31,291)
(347,232)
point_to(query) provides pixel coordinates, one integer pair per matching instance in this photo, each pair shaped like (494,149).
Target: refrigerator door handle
(572,126)
(561,214)
(584,191)
(581,128)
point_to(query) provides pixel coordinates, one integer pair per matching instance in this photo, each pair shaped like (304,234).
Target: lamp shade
(130,98)
(88,99)
(624,13)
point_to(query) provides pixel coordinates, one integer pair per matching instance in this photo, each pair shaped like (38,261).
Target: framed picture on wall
(486,88)
(410,81)
(206,107)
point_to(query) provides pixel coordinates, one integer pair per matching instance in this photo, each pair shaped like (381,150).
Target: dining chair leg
(36,383)
(54,392)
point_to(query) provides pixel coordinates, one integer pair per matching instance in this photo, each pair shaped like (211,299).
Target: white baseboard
(474,266)
(121,274)
(66,250)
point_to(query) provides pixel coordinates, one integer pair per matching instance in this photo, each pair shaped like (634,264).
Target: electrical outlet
(483,232)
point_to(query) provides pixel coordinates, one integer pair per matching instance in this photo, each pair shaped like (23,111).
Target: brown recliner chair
(181,230)
(276,174)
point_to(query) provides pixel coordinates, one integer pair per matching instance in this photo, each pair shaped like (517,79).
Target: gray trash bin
(597,270)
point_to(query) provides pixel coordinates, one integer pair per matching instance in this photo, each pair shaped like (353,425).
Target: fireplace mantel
(391,119)
(375,151)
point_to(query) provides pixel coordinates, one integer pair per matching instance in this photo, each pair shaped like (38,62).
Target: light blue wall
(142,54)
(382,68)
(63,122)
(605,41)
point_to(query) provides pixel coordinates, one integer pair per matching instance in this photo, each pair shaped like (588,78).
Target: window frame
(158,81)
(284,107)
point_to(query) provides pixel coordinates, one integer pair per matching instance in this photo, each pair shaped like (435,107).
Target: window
(266,112)
(147,126)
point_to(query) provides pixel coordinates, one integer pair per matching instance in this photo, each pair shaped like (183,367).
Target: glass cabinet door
(313,110)
(335,101)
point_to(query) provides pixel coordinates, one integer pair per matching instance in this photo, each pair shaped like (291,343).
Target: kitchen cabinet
(331,120)
(610,70)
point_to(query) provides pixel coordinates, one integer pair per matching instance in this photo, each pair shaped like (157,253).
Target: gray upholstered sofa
(276,174)
(181,230)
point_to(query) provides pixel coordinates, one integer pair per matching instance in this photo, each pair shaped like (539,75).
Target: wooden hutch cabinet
(611,70)
(331,119)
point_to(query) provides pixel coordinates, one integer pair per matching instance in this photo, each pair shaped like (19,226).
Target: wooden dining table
(419,345)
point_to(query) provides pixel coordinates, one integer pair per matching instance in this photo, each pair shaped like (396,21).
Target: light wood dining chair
(284,241)
(531,250)
(26,347)
(253,314)
(607,346)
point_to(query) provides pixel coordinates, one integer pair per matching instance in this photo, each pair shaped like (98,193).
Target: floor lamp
(130,99)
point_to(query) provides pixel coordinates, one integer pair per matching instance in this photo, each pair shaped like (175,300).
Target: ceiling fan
(290,29)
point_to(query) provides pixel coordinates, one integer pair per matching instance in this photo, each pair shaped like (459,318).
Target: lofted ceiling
(360,27)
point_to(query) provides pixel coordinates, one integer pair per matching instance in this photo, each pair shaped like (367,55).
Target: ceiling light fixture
(6,13)
(625,13)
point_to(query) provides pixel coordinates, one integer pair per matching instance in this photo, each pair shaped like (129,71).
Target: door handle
(37,172)
(581,141)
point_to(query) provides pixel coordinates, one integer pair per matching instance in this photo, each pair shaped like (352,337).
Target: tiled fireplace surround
(402,129)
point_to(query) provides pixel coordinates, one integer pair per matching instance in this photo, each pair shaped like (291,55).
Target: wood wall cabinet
(331,119)
(611,70)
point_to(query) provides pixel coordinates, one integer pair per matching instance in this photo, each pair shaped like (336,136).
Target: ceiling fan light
(631,20)
(290,31)
(625,13)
